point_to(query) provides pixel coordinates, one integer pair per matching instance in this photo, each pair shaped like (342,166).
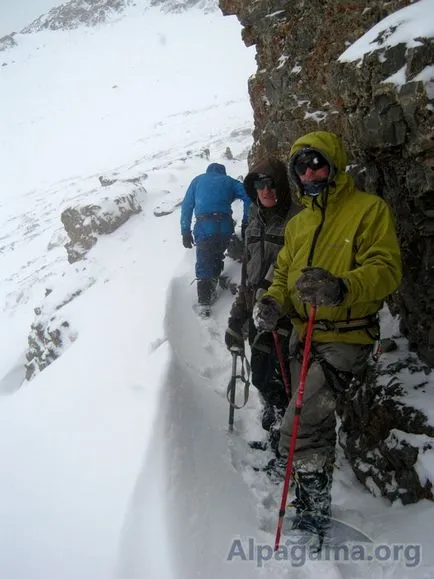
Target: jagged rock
(51,333)
(167,205)
(84,224)
(228,154)
(182,5)
(389,125)
(6,42)
(385,432)
(380,104)
(205,153)
(110,179)
(76,13)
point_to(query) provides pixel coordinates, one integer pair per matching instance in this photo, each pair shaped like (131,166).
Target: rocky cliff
(378,94)
(385,120)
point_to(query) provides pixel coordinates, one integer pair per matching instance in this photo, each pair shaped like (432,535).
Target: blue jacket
(210,195)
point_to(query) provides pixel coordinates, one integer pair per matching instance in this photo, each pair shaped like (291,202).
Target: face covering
(314,188)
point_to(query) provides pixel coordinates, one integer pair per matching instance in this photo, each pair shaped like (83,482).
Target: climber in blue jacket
(210,196)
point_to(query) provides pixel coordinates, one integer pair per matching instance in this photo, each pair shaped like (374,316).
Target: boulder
(84,224)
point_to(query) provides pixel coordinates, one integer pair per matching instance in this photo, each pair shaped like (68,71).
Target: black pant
(265,368)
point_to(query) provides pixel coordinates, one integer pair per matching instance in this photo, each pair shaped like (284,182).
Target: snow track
(214,496)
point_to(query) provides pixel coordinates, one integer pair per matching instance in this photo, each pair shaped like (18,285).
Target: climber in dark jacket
(268,187)
(211,195)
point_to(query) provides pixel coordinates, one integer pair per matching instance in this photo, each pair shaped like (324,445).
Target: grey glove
(318,286)
(234,339)
(266,314)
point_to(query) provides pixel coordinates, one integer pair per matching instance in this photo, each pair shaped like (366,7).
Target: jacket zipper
(313,246)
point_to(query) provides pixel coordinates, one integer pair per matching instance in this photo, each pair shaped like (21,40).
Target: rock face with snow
(385,433)
(7,41)
(380,98)
(50,334)
(387,99)
(76,13)
(300,86)
(182,5)
(84,224)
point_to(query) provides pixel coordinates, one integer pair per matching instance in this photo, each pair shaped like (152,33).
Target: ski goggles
(309,160)
(264,181)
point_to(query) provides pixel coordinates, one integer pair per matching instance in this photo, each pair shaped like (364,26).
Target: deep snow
(116,459)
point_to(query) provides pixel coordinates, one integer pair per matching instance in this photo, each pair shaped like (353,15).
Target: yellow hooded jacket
(349,233)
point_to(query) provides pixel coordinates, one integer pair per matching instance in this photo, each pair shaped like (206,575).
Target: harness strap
(344,326)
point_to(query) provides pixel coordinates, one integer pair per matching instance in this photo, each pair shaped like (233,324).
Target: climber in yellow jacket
(340,253)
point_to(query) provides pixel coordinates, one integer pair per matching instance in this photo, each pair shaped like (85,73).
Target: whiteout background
(116,461)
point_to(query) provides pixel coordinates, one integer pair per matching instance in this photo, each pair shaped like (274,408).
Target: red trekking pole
(295,425)
(283,371)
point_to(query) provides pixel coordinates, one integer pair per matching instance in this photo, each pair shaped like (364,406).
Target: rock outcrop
(385,120)
(386,433)
(182,5)
(51,332)
(84,224)
(8,41)
(378,95)
(76,13)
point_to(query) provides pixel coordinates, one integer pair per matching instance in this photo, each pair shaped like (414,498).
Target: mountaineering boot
(272,441)
(271,416)
(204,291)
(276,469)
(204,311)
(213,293)
(313,504)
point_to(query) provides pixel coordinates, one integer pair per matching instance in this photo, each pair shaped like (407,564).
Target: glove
(318,286)
(243,229)
(266,313)
(234,339)
(187,240)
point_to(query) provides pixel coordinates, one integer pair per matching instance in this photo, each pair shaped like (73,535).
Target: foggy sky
(16,14)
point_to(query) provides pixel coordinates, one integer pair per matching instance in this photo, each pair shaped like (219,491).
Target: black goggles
(309,160)
(262,182)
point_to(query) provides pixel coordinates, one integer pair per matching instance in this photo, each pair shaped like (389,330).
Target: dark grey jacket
(264,237)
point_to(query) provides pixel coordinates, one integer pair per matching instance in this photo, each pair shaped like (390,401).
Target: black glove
(266,313)
(234,339)
(187,240)
(243,229)
(318,286)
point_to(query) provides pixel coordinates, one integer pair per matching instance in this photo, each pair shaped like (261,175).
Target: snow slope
(116,459)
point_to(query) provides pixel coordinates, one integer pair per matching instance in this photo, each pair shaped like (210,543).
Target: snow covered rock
(111,178)
(182,5)
(387,429)
(103,216)
(51,332)
(386,85)
(7,41)
(76,13)
(167,205)
(364,71)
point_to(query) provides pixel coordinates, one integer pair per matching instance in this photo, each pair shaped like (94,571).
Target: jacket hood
(216,168)
(276,169)
(332,148)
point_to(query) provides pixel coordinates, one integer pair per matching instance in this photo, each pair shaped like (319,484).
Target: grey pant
(316,439)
